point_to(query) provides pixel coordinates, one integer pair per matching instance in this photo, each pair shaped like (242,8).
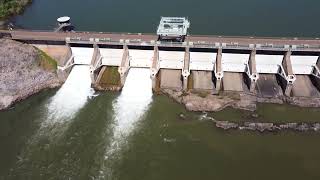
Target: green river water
(74,133)
(110,136)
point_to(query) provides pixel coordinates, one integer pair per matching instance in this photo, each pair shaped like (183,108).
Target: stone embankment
(265,127)
(24,71)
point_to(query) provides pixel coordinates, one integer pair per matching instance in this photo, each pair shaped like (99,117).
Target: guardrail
(76,38)
(189,35)
(215,45)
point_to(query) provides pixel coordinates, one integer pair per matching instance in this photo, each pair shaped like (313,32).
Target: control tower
(173,28)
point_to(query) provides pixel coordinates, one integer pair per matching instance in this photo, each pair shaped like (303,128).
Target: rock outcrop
(24,71)
(209,102)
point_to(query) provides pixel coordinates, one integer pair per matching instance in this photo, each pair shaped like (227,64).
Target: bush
(47,62)
(12,7)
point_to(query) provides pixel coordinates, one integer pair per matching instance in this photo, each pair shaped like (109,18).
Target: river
(76,133)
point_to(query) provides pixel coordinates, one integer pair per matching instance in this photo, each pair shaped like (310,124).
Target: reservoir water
(75,133)
(293,18)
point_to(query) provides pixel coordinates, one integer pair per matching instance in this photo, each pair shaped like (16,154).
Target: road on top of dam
(53,36)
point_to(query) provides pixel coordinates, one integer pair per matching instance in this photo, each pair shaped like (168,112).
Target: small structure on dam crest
(173,28)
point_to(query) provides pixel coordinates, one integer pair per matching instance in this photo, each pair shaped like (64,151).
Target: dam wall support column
(124,67)
(64,70)
(315,77)
(288,74)
(218,71)
(253,71)
(69,53)
(155,70)
(186,69)
(96,55)
(94,62)
(99,76)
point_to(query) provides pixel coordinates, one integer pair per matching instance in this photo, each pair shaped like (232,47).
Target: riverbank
(264,126)
(25,70)
(12,7)
(205,101)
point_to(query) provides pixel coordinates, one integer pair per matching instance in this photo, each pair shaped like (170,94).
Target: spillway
(234,82)
(72,96)
(268,86)
(303,87)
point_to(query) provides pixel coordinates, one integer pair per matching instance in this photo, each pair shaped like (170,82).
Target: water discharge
(132,103)
(72,96)
(130,107)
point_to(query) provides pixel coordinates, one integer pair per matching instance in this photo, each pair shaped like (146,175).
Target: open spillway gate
(266,73)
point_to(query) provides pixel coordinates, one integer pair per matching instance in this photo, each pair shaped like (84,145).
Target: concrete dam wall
(277,70)
(266,74)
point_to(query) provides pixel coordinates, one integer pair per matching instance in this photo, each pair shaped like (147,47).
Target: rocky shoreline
(195,101)
(24,71)
(266,127)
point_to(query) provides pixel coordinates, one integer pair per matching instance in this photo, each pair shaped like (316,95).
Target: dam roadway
(149,39)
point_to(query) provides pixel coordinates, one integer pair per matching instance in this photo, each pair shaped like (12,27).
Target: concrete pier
(186,69)
(253,74)
(218,71)
(155,70)
(315,75)
(288,74)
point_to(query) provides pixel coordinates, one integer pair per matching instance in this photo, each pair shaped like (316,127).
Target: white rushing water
(133,102)
(72,96)
(61,108)
(130,106)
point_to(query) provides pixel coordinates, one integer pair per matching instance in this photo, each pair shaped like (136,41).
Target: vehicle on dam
(173,29)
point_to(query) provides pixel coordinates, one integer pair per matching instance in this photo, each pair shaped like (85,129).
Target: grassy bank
(47,62)
(12,7)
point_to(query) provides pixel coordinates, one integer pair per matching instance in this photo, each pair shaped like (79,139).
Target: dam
(282,67)
(267,67)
